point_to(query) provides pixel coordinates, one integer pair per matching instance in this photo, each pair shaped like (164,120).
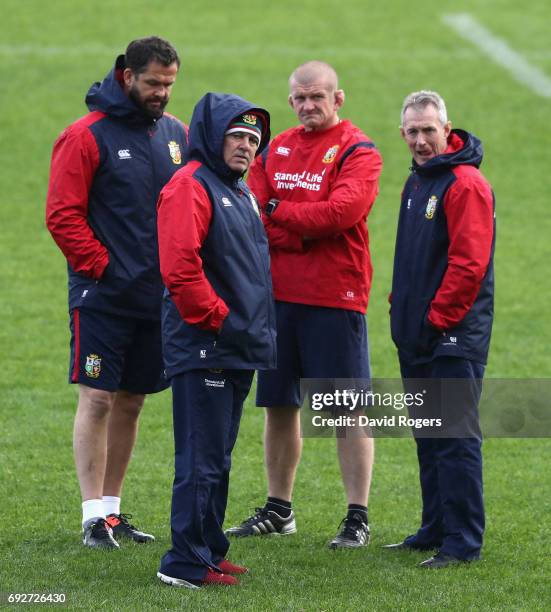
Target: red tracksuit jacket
(319,245)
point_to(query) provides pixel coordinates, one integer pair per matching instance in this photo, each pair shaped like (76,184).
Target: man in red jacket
(107,171)
(218,325)
(316,184)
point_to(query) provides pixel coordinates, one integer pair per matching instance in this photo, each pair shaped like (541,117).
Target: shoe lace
(351,527)
(100,530)
(259,513)
(124,519)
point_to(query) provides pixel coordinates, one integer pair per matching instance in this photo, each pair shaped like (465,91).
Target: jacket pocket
(228,330)
(110,282)
(428,335)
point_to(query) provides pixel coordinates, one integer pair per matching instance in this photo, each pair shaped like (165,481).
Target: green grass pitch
(50,52)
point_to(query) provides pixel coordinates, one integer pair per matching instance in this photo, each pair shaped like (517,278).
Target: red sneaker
(231,568)
(213,577)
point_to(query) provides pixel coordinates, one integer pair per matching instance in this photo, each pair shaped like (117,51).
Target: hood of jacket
(463,149)
(209,122)
(108,97)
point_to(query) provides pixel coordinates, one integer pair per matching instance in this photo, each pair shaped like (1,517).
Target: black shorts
(313,342)
(113,352)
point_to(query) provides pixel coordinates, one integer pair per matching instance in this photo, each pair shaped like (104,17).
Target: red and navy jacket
(218,309)
(327,183)
(442,300)
(107,171)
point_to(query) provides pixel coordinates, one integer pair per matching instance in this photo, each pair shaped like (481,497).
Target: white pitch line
(26,50)
(426,53)
(497,49)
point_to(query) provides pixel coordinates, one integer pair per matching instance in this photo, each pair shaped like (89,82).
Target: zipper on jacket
(265,269)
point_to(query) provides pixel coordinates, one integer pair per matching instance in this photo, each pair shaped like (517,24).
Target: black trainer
(264,522)
(98,534)
(410,547)
(441,560)
(354,533)
(123,529)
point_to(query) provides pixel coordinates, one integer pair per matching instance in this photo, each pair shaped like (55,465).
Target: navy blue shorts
(313,342)
(113,352)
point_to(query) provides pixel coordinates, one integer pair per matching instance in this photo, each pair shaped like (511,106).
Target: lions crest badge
(330,154)
(431,207)
(93,365)
(175,153)
(250,119)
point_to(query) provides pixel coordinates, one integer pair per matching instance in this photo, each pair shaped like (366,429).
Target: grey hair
(421,99)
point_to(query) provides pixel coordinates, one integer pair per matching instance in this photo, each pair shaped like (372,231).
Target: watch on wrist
(271,206)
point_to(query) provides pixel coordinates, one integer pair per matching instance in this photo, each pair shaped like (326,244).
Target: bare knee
(129,404)
(95,404)
(285,418)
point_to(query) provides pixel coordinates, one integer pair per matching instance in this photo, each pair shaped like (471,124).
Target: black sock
(357,509)
(282,507)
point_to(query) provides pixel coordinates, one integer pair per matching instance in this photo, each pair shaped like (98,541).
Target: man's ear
(290,100)
(402,133)
(339,98)
(448,128)
(127,77)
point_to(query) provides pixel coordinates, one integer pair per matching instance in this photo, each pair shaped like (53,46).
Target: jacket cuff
(100,267)
(218,317)
(434,324)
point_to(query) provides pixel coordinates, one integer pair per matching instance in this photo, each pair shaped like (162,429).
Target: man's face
(424,133)
(150,90)
(316,105)
(239,150)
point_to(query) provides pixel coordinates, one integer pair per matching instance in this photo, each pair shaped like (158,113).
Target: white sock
(92,508)
(111,505)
